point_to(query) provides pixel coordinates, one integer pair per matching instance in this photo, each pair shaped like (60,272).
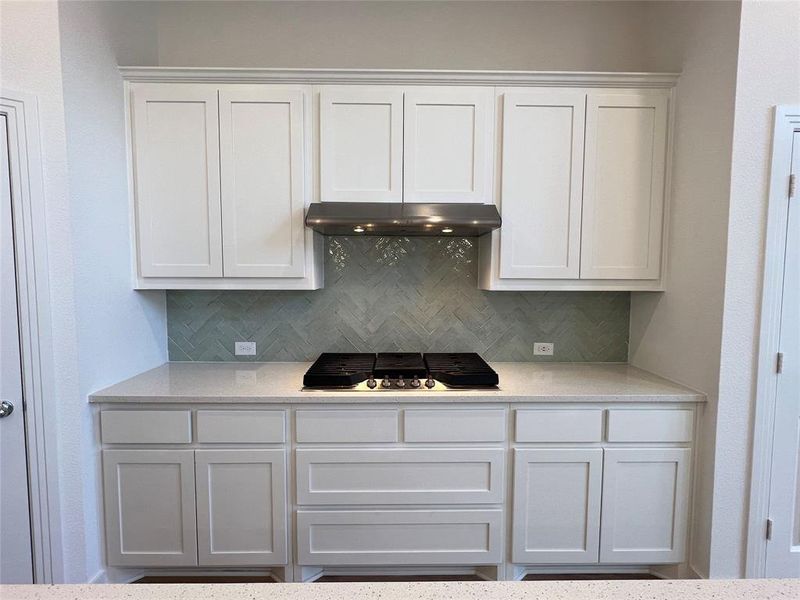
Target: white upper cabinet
(542,176)
(361,144)
(176,179)
(448,144)
(263,187)
(623,200)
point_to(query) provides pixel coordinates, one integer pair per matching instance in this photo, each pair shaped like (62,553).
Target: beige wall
(678,334)
(588,36)
(768,74)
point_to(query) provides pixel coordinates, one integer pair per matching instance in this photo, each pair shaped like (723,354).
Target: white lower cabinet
(557,505)
(645,504)
(399,537)
(149,508)
(241,507)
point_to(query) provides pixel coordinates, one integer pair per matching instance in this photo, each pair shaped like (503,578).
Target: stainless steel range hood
(395,218)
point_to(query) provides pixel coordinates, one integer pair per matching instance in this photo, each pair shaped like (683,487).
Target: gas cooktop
(400,371)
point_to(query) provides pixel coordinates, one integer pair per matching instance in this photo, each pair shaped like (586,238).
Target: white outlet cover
(244,348)
(543,348)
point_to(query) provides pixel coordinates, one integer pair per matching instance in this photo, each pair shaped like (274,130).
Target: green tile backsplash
(398,294)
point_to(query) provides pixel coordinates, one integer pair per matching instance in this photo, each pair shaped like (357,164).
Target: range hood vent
(405,219)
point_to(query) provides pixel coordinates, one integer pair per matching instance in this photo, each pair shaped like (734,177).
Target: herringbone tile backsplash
(398,294)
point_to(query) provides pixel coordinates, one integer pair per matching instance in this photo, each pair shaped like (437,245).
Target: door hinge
(769,529)
(792,185)
(779,363)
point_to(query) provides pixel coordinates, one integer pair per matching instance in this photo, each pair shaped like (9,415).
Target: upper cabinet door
(176,176)
(623,201)
(263,181)
(542,176)
(361,144)
(448,144)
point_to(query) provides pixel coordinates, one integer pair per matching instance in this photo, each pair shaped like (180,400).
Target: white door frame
(29,218)
(787,121)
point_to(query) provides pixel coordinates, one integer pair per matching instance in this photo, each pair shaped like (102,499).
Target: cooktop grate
(334,369)
(462,369)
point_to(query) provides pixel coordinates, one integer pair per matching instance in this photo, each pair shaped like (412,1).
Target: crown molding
(406,77)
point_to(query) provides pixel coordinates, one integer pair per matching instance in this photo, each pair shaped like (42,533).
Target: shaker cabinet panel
(623,198)
(361,144)
(263,187)
(241,507)
(149,508)
(175,155)
(542,178)
(645,505)
(448,144)
(556,517)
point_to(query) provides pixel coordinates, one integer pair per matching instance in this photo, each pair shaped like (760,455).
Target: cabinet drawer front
(346,426)
(447,425)
(245,426)
(400,476)
(392,537)
(559,426)
(146,426)
(626,425)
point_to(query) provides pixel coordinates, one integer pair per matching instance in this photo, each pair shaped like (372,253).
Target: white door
(623,188)
(150,508)
(447,147)
(783,550)
(263,189)
(645,505)
(542,179)
(361,144)
(175,135)
(556,515)
(241,507)
(16,565)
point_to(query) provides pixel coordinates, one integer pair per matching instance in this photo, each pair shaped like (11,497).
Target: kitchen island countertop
(687,589)
(281,383)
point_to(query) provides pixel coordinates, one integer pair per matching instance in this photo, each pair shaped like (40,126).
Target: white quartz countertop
(694,589)
(276,382)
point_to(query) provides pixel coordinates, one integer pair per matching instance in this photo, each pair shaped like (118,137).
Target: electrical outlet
(543,348)
(245,348)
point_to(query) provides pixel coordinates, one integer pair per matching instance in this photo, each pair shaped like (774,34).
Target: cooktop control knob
(415,382)
(386,383)
(400,382)
(429,383)
(371,383)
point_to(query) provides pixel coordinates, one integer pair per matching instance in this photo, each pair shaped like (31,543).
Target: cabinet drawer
(349,425)
(446,425)
(400,476)
(392,537)
(559,425)
(627,425)
(244,426)
(146,426)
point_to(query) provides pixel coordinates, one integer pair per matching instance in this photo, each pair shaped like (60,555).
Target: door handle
(6,408)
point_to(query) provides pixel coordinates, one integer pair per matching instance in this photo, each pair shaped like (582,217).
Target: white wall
(678,334)
(120,332)
(564,35)
(768,74)
(30,63)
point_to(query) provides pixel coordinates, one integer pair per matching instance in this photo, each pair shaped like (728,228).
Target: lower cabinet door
(399,537)
(556,518)
(149,508)
(241,507)
(645,503)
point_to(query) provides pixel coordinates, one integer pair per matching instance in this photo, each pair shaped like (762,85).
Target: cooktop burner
(400,371)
